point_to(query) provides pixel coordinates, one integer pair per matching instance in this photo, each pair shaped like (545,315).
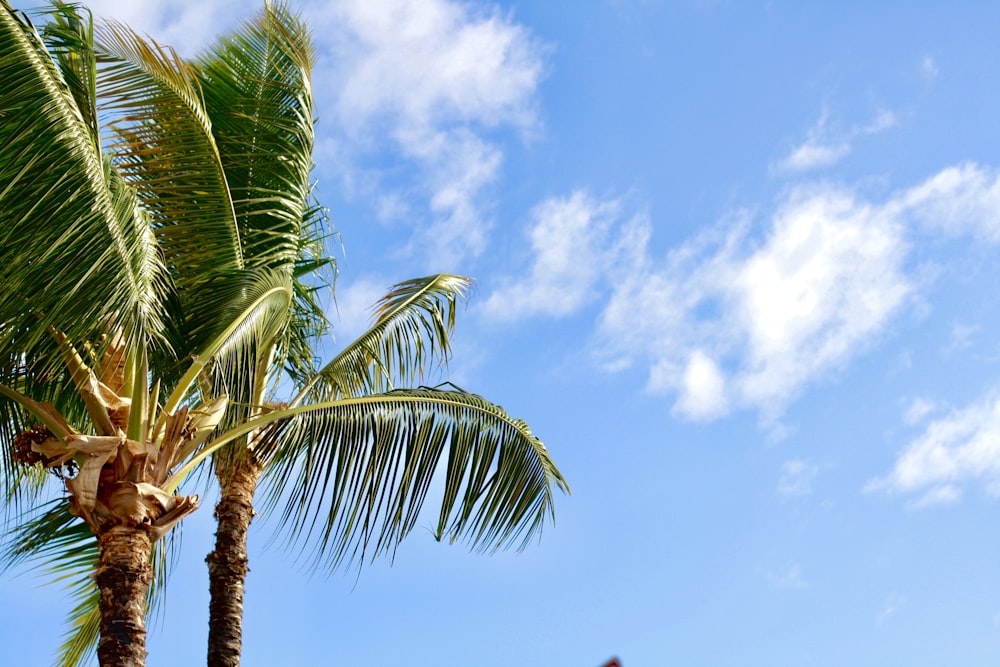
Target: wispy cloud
(429,83)
(747,313)
(813,154)
(918,410)
(929,67)
(575,243)
(960,448)
(797,478)
(757,320)
(789,577)
(961,336)
(826,144)
(186,25)
(958,201)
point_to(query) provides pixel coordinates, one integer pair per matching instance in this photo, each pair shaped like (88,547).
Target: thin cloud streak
(825,145)
(958,449)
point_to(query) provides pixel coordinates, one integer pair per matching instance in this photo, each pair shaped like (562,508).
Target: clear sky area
(737,264)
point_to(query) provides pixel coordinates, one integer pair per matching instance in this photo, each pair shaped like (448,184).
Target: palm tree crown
(161,259)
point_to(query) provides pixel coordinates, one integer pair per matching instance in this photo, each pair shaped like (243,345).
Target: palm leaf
(256,83)
(295,352)
(166,151)
(248,309)
(67,550)
(257,89)
(69,36)
(353,475)
(413,323)
(73,258)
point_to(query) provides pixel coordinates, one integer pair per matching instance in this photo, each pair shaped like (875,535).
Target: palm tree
(158,285)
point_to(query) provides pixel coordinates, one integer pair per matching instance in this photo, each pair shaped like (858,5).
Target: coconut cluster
(21,450)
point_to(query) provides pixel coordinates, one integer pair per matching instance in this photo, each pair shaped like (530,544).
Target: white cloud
(427,84)
(945,494)
(812,155)
(958,201)
(432,61)
(918,410)
(728,321)
(883,120)
(929,67)
(703,388)
(576,243)
(788,577)
(960,448)
(771,315)
(186,25)
(796,478)
(828,279)
(731,319)
(826,145)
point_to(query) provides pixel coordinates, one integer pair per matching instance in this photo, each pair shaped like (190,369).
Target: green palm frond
(413,323)
(79,646)
(258,94)
(166,151)
(69,36)
(353,475)
(69,258)
(256,83)
(243,313)
(67,550)
(295,352)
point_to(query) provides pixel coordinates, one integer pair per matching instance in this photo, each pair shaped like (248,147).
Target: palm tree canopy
(130,265)
(161,272)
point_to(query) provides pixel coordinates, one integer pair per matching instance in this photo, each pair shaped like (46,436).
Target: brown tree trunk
(227,565)
(123,575)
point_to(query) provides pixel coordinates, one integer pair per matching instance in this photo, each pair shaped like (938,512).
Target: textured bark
(227,565)
(123,575)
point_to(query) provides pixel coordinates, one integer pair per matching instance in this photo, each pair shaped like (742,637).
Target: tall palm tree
(157,285)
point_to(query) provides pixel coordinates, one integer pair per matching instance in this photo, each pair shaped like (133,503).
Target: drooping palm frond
(66,549)
(352,475)
(166,151)
(412,328)
(69,260)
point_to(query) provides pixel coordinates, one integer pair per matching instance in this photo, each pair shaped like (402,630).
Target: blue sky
(737,265)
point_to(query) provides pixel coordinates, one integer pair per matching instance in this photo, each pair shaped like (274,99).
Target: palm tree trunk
(123,576)
(227,565)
